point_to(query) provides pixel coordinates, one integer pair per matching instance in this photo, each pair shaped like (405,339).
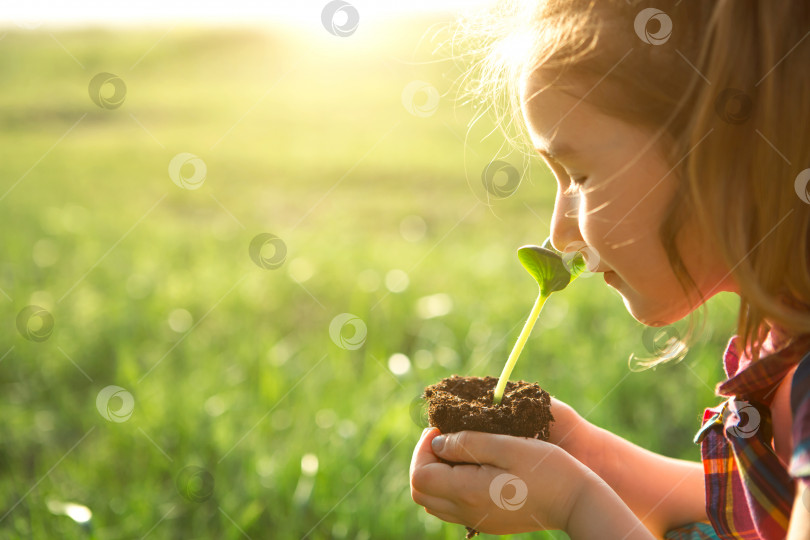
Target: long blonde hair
(728,90)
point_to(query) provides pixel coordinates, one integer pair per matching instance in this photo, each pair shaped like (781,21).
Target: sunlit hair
(726,94)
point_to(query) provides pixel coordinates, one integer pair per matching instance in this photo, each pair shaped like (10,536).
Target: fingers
(442,508)
(476,447)
(426,468)
(435,504)
(437,485)
(445,489)
(448,517)
(423,454)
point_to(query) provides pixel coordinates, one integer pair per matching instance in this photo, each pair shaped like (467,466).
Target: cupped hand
(568,430)
(497,484)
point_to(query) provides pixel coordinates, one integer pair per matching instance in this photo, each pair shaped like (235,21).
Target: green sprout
(553,271)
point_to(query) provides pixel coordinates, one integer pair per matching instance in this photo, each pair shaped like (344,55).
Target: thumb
(471,447)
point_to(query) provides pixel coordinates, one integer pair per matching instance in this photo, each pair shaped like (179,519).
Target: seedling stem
(552,273)
(518,348)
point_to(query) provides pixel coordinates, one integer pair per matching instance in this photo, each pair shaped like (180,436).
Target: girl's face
(613,192)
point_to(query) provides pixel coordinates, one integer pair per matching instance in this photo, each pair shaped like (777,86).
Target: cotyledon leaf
(546,267)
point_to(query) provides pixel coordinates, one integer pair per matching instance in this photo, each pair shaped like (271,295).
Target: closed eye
(576,180)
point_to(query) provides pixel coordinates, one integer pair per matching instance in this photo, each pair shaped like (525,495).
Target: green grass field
(231,367)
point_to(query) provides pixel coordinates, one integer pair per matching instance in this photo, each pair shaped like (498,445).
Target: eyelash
(577,182)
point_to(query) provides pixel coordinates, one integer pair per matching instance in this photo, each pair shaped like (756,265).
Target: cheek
(644,277)
(622,224)
(624,231)
(703,261)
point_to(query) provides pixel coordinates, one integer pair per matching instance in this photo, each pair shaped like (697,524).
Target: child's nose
(564,222)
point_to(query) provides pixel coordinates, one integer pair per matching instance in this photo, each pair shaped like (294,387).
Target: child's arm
(501,485)
(663,492)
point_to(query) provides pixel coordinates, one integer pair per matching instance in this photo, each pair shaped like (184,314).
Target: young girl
(677,134)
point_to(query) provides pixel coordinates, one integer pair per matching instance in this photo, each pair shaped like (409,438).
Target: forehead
(560,119)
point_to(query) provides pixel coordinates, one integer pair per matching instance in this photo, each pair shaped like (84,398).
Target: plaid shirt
(749,493)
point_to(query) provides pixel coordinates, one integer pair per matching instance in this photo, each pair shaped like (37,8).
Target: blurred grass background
(231,366)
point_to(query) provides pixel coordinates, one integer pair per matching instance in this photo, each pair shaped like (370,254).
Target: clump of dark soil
(465,403)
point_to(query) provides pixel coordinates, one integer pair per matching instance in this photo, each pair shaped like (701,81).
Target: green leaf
(546,267)
(574,262)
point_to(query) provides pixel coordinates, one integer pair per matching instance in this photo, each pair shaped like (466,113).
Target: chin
(653,313)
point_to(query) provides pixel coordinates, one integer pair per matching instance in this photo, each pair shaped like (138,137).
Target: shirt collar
(758,379)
